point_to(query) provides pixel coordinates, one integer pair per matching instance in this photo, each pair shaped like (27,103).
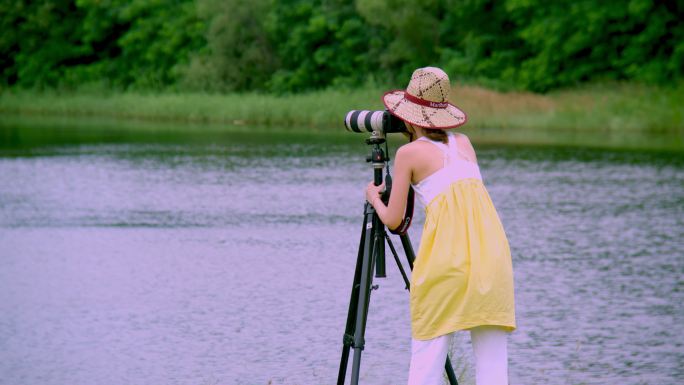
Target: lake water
(175,259)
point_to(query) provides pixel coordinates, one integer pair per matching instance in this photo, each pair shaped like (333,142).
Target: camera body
(373,121)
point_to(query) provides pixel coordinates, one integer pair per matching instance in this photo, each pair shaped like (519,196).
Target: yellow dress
(463,275)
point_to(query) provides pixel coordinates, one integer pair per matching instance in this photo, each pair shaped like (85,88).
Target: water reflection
(229,261)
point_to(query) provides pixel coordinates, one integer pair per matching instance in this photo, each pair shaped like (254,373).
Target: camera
(370,121)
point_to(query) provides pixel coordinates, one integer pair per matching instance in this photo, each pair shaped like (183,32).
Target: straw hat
(425,103)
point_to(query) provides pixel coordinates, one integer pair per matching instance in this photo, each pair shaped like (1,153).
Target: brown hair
(436,135)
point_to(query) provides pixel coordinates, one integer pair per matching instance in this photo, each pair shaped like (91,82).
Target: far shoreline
(32,130)
(608,116)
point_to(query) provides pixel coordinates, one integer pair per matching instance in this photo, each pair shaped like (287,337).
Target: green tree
(120,43)
(412,29)
(239,54)
(569,42)
(295,45)
(141,42)
(319,43)
(477,42)
(39,40)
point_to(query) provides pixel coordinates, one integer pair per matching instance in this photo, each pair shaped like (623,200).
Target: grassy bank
(615,107)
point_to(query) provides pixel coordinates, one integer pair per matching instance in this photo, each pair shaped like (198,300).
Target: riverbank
(618,107)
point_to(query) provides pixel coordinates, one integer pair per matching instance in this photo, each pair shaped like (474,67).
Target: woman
(463,276)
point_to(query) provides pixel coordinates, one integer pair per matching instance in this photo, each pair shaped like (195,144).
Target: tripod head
(378,160)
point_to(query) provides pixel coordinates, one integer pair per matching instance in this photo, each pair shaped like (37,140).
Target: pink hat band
(423,102)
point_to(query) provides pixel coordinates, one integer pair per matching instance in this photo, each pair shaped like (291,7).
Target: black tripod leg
(348,338)
(450,372)
(360,298)
(411,256)
(408,249)
(370,247)
(396,259)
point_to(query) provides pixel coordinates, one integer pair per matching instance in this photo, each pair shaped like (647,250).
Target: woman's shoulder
(415,148)
(461,136)
(465,146)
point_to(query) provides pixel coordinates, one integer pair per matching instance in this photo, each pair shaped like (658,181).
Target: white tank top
(456,167)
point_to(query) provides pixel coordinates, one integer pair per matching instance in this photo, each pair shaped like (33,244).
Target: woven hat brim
(421,116)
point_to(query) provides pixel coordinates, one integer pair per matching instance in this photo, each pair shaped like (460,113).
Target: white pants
(491,357)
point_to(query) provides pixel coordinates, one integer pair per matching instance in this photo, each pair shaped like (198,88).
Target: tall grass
(613,107)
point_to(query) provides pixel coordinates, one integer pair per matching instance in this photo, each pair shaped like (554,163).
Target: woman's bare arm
(392,214)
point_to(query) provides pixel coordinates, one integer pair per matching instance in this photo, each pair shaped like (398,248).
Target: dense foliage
(294,45)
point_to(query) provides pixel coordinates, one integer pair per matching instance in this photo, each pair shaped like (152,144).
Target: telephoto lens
(364,120)
(369,121)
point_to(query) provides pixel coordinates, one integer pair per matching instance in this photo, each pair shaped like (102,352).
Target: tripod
(371,255)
